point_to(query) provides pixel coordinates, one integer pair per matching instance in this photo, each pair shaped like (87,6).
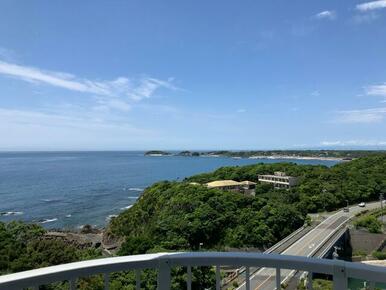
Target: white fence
(163,262)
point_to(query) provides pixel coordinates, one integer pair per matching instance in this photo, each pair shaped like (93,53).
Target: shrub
(369,222)
(379,255)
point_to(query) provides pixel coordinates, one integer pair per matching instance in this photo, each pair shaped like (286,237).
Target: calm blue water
(70,189)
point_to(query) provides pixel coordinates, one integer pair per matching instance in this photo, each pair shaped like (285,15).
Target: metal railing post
(106,278)
(278,279)
(137,279)
(218,278)
(164,278)
(189,278)
(339,276)
(247,277)
(73,284)
(309,281)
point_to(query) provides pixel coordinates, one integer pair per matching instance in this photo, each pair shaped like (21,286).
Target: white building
(279,180)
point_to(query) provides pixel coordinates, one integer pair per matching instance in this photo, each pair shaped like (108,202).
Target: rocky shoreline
(87,237)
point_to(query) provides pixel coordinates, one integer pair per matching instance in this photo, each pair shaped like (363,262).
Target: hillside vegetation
(180,216)
(320,188)
(175,216)
(23,247)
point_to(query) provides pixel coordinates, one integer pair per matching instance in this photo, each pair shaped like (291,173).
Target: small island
(189,154)
(157,153)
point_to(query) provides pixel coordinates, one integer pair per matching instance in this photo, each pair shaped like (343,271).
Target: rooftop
(220,183)
(228,182)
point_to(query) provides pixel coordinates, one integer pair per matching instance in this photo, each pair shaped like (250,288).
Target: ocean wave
(48,221)
(68,215)
(48,200)
(126,207)
(135,189)
(132,197)
(9,213)
(110,217)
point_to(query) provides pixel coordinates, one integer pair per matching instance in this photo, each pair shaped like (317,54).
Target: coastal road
(264,278)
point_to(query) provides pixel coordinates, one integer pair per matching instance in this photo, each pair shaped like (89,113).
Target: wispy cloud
(373,115)
(376,90)
(370,6)
(134,89)
(327,14)
(353,143)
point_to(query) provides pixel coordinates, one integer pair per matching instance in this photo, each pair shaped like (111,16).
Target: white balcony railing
(340,270)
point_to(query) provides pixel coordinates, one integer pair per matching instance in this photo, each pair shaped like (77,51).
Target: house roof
(194,183)
(220,183)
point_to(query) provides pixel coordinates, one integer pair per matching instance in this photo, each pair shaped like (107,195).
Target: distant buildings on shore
(279,180)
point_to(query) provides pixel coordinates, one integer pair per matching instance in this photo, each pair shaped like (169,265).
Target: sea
(66,190)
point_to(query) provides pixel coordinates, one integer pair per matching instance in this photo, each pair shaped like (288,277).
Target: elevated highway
(308,245)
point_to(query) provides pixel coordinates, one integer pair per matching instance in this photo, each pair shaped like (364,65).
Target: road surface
(264,279)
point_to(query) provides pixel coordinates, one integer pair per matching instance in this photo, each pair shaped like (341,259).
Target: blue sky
(123,75)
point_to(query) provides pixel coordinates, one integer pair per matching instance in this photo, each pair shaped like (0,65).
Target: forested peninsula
(277,154)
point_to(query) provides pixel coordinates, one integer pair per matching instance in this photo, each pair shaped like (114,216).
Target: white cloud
(135,90)
(353,143)
(330,143)
(376,90)
(370,6)
(362,116)
(327,14)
